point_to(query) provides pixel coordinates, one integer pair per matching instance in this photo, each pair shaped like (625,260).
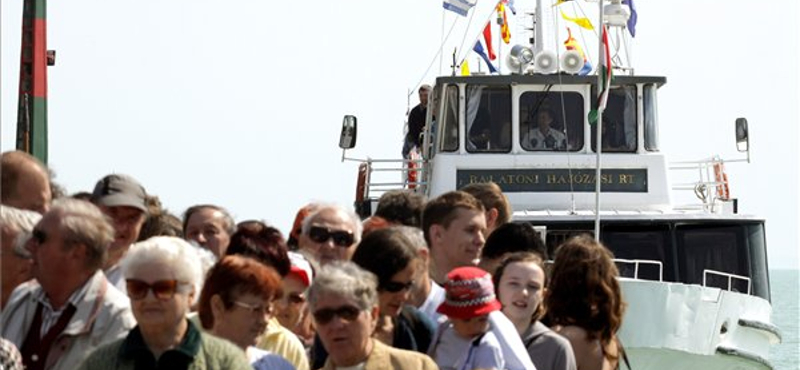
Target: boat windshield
(551,121)
(488,114)
(619,121)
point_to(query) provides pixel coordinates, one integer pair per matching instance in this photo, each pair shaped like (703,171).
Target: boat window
(488,117)
(637,242)
(449,141)
(757,246)
(619,121)
(719,248)
(551,121)
(650,118)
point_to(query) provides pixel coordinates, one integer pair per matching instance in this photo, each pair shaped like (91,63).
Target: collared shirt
(536,140)
(50,315)
(180,357)
(115,277)
(435,297)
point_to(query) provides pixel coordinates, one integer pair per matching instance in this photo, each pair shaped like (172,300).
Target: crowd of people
(109,279)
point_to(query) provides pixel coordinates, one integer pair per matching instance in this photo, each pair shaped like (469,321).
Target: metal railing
(379,178)
(636,264)
(711,187)
(728,276)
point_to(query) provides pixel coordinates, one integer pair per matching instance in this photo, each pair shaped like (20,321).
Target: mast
(599,129)
(34,59)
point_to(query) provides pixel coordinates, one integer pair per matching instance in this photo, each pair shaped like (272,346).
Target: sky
(239,103)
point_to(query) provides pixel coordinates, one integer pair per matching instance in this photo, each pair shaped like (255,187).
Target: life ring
(412,175)
(361,182)
(723,189)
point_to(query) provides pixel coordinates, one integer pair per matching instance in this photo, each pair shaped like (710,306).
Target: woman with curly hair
(584,302)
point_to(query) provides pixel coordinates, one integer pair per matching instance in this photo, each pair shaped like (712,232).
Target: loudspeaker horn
(571,62)
(545,62)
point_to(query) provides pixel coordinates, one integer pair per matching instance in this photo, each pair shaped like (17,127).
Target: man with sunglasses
(70,309)
(332,234)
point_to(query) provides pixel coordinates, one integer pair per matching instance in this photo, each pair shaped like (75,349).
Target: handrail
(710,186)
(378,180)
(730,277)
(637,262)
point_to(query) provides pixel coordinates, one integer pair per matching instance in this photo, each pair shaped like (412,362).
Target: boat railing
(381,175)
(730,278)
(711,186)
(636,263)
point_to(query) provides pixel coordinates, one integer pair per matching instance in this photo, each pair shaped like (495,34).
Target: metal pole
(599,128)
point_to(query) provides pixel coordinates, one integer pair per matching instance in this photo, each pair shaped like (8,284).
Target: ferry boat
(694,276)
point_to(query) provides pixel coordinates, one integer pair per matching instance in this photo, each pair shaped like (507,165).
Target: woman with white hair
(161,275)
(343,300)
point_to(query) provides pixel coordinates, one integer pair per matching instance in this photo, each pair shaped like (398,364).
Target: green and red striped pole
(32,114)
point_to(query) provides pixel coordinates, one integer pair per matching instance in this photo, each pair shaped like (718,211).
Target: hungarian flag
(604,71)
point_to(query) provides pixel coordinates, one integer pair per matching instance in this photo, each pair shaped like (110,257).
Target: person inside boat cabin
(416,121)
(25,182)
(544,137)
(454,225)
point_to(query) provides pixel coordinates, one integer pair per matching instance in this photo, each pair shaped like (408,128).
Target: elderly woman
(236,304)
(391,256)
(584,302)
(344,305)
(161,275)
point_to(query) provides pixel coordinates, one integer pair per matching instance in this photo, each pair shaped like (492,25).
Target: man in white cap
(123,199)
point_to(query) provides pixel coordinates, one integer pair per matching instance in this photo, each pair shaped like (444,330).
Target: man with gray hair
(15,227)
(70,309)
(426,294)
(210,226)
(331,234)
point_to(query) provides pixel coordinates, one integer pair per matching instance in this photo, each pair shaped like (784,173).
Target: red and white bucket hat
(469,293)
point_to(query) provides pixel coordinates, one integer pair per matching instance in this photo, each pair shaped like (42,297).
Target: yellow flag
(464,68)
(582,22)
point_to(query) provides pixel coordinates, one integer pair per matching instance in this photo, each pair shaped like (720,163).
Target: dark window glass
(719,248)
(640,243)
(650,118)
(551,121)
(619,121)
(449,141)
(488,115)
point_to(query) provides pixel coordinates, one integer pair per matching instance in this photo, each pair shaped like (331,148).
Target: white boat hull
(680,326)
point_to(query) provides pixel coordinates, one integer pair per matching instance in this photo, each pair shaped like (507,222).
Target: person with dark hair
(454,226)
(159,222)
(236,304)
(264,243)
(584,302)
(25,182)
(416,121)
(210,226)
(544,136)
(510,238)
(402,207)
(498,209)
(520,284)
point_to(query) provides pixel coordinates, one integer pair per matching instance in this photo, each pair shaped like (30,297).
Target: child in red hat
(465,341)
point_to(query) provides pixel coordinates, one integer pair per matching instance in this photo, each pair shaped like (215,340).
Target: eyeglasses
(295,298)
(347,313)
(255,309)
(39,236)
(394,287)
(341,238)
(162,289)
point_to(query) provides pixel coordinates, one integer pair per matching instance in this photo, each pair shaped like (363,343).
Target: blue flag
(634,17)
(478,48)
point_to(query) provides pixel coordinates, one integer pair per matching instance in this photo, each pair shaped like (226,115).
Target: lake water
(785,286)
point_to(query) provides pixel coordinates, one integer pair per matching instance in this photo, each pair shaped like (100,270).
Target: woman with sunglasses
(343,300)
(392,257)
(584,302)
(161,277)
(236,304)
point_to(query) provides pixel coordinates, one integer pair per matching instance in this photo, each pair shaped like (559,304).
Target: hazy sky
(239,103)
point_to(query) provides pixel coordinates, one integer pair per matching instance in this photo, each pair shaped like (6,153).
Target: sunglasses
(295,298)
(39,236)
(321,235)
(394,287)
(162,289)
(347,313)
